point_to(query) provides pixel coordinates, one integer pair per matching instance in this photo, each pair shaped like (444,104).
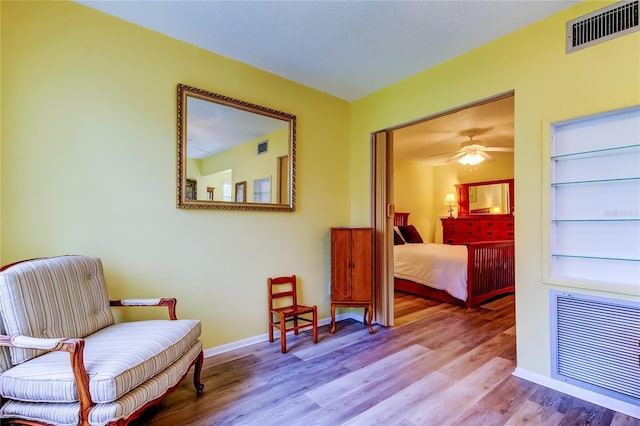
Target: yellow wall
(247,165)
(89,166)
(413,193)
(89,151)
(549,86)
(420,189)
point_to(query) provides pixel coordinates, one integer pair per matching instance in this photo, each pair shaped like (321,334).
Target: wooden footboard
(425,291)
(490,273)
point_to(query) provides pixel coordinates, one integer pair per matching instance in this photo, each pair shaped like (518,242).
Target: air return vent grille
(263,146)
(594,342)
(602,25)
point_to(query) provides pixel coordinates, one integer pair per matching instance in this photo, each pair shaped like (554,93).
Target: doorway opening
(417,166)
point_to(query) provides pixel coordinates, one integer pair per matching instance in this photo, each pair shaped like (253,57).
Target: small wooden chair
(288,310)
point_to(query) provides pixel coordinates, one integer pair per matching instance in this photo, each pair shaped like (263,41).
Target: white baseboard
(584,394)
(216,350)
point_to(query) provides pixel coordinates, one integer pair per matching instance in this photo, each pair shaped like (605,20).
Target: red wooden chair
(284,309)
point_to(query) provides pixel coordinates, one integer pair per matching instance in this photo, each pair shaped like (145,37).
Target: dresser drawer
(488,234)
(491,224)
(462,233)
(507,234)
(462,224)
(507,231)
(491,229)
(467,230)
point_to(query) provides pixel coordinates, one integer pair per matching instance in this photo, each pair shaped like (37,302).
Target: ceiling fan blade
(457,155)
(474,131)
(474,147)
(443,157)
(484,155)
(499,149)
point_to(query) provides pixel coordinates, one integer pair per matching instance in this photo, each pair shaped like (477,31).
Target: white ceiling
(348,49)
(214,128)
(435,140)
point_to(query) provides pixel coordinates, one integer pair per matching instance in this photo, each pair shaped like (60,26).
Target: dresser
(352,271)
(464,230)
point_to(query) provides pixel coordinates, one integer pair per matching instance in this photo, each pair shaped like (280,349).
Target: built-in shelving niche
(595,199)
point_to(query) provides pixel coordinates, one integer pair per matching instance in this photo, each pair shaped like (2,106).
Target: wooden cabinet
(352,271)
(463,230)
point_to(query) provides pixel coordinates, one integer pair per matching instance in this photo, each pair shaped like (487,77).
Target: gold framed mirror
(234,155)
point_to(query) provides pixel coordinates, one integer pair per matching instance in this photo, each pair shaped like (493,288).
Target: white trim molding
(217,350)
(574,391)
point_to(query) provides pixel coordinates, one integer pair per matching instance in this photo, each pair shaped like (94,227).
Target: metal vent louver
(602,25)
(594,344)
(263,146)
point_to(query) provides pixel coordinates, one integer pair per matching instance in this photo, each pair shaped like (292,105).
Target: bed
(467,274)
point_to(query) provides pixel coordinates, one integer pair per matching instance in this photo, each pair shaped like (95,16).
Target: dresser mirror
(233,155)
(485,198)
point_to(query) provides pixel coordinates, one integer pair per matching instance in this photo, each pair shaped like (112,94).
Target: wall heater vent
(594,344)
(602,25)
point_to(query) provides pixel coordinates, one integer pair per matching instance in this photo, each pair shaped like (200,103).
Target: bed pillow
(397,238)
(396,228)
(411,234)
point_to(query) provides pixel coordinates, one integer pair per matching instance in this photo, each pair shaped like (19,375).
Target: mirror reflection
(489,199)
(233,154)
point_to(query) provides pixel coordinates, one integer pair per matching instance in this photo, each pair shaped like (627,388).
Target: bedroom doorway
(414,165)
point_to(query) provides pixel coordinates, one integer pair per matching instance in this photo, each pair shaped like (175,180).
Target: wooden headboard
(401,219)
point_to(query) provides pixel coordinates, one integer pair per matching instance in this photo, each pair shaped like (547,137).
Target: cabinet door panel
(362,270)
(340,265)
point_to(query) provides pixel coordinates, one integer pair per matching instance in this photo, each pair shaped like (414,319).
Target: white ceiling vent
(263,146)
(602,25)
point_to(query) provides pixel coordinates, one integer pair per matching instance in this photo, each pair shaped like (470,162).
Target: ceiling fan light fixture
(471,159)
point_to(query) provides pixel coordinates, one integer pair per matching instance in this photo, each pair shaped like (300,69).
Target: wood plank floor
(440,365)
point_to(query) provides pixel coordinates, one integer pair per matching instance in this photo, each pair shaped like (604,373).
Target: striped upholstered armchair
(64,359)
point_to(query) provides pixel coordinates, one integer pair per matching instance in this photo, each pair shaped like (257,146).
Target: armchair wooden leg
(197,370)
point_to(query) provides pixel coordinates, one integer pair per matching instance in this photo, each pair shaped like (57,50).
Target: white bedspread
(441,266)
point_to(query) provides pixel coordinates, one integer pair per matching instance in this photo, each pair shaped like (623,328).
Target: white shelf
(616,150)
(595,199)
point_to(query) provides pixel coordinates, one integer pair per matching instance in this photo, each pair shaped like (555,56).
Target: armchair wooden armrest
(75,347)
(169,302)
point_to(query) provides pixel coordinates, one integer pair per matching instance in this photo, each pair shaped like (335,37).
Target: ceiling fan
(472,152)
